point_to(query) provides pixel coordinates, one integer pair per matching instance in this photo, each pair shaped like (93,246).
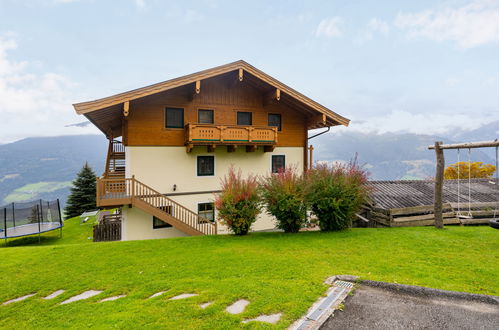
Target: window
(278,163)
(205,116)
(174,118)
(158,223)
(206,165)
(244,118)
(207,211)
(275,120)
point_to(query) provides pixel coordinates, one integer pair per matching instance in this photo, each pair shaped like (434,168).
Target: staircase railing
(132,191)
(114,165)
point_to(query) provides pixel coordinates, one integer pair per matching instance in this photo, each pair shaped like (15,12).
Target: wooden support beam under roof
(241,74)
(126,108)
(231,148)
(198,86)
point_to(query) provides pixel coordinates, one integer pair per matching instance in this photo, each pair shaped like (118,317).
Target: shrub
(335,193)
(284,197)
(238,203)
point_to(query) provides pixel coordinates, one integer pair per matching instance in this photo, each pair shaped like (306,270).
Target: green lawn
(276,272)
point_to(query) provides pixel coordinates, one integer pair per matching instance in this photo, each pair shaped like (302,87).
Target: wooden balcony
(230,136)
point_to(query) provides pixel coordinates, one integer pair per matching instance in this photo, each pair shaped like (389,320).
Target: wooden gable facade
(139,116)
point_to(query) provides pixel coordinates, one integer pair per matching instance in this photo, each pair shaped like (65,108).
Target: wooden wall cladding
(146,122)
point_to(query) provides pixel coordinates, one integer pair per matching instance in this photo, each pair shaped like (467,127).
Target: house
(410,202)
(170,144)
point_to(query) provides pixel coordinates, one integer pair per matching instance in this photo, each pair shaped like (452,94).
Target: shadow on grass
(43,239)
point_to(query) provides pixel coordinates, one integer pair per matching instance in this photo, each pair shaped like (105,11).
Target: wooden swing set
(439,148)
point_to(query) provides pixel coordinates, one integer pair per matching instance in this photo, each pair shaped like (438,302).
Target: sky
(427,67)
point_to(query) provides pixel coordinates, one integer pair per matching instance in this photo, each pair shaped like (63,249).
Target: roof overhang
(106,113)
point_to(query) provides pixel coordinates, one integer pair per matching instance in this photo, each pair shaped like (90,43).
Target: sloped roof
(408,193)
(114,100)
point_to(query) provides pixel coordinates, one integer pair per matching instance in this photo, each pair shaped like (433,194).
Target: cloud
(471,25)
(141,4)
(374,26)
(329,28)
(33,104)
(419,123)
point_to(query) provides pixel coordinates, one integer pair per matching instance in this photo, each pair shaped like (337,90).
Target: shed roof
(408,193)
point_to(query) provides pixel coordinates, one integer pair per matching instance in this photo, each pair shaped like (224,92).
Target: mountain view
(44,167)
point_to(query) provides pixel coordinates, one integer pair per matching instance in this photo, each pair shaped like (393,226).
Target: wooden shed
(410,202)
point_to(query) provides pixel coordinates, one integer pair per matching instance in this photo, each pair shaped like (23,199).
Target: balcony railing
(205,134)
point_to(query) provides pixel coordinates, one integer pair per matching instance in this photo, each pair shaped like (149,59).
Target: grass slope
(276,272)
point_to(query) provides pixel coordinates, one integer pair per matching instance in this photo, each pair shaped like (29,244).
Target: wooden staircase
(115,161)
(126,191)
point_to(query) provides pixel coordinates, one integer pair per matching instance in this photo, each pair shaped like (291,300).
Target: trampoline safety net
(21,219)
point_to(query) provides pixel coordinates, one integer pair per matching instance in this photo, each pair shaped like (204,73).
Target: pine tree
(82,197)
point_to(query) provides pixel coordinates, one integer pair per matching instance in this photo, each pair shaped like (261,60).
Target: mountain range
(43,167)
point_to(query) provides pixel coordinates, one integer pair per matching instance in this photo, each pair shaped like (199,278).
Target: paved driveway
(378,308)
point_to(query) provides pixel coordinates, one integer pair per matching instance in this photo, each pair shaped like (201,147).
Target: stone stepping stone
(206,304)
(112,298)
(273,318)
(54,294)
(157,294)
(82,296)
(183,296)
(18,299)
(238,307)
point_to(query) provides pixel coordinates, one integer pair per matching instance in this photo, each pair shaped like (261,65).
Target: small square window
(205,116)
(158,223)
(207,211)
(174,118)
(275,120)
(206,165)
(244,118)
(278,163)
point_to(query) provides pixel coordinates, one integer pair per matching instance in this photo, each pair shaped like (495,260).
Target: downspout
(311,148)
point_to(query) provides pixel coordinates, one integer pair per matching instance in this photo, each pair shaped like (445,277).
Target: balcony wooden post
(133,188)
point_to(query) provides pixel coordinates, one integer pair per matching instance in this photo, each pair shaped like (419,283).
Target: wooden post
(311,148)
(439,181)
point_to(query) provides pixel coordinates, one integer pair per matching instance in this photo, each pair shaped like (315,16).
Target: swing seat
(464,216)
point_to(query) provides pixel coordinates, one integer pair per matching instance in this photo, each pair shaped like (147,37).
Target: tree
(478,170)
(82,197)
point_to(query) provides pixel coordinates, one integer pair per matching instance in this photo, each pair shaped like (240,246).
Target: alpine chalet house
(171,143)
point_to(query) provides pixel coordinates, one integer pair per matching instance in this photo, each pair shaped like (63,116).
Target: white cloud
(141,4)
(471,25)
(419,123)
(374,26)
(329,28)
(33,104)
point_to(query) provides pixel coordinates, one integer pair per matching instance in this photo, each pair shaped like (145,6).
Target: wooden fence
(107,231)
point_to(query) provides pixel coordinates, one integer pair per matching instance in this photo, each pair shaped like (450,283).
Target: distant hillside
(389,156)
(44,167)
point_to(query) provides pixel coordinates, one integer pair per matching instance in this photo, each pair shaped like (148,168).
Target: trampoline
(30,218)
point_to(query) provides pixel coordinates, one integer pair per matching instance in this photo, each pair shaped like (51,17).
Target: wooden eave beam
(126,108)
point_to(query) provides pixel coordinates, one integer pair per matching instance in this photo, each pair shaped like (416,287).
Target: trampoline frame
(40,222)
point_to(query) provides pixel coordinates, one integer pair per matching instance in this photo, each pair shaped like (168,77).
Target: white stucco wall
(137,224)
(163,167)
